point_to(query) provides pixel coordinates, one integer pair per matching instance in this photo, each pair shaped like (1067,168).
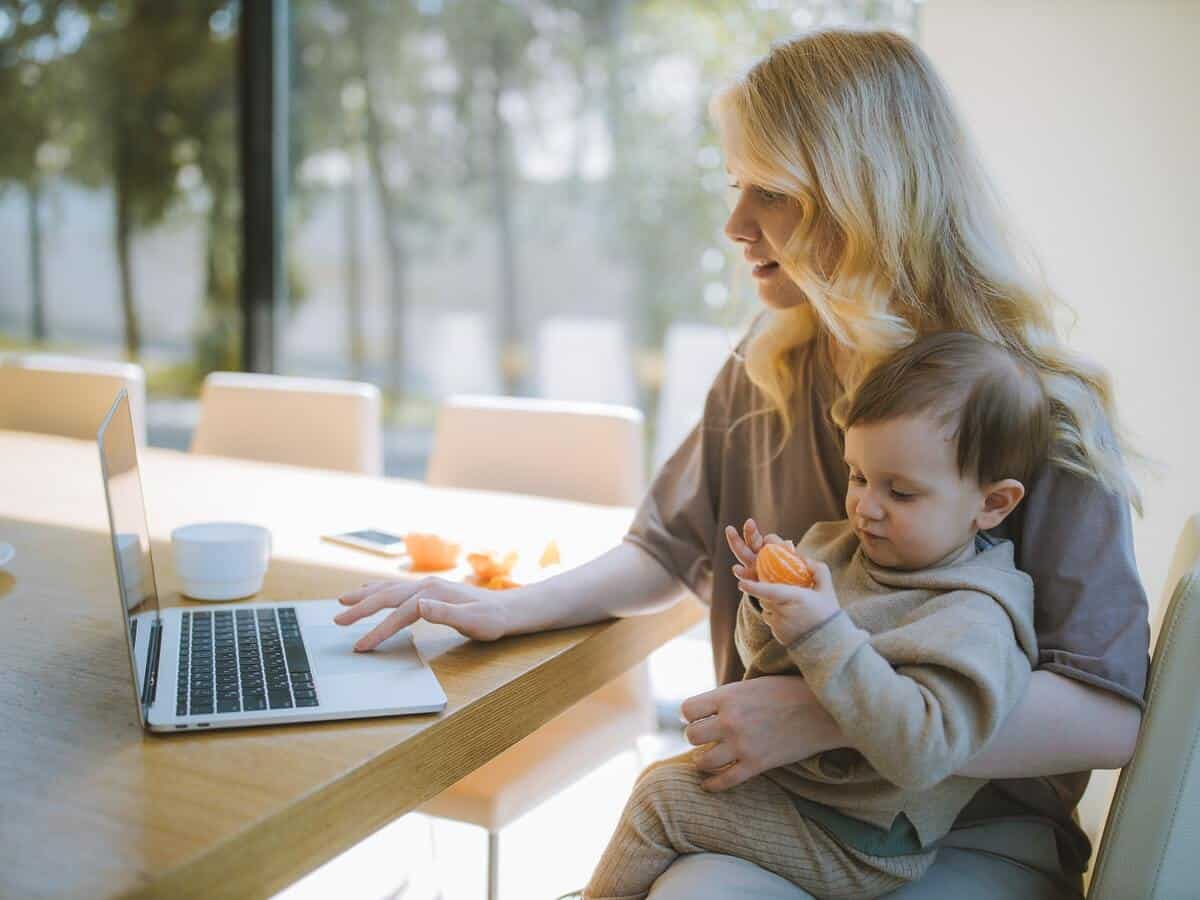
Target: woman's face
(762,221)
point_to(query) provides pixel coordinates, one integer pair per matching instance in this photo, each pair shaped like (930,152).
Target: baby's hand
(745,546)
(789,610)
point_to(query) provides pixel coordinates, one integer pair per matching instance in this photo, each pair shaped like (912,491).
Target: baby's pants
(669,814)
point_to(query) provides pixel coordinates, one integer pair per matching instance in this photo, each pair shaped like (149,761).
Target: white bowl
(221,560)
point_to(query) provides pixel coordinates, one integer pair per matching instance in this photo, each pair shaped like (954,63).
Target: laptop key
(224,705)
(280,699)
(254,701)
(307,701)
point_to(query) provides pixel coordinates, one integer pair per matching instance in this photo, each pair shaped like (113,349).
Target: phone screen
(375,537)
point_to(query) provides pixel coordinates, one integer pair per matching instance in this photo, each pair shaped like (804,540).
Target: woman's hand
(747,727)
(472,611)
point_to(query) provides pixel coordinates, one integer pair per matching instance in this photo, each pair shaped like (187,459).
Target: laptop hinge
(150,682)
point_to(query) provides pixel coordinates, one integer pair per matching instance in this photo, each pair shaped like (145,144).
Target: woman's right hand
(474,612)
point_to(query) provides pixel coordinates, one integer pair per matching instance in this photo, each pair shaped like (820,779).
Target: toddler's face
(906,500)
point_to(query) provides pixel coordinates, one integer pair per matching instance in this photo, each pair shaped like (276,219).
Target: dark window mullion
(263,85)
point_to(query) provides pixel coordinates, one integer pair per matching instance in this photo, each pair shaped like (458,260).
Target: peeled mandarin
(430,553)
(779,564)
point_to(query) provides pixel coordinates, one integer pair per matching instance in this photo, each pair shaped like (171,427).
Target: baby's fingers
(752,535)
(744,554)
(771,593)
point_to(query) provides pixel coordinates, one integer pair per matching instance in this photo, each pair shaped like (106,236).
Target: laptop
(204,666)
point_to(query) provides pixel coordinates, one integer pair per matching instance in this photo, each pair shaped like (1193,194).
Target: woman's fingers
(375,598)
(730,776)
(703,731)
(405,615)
(712,757)
(351,597)
(701,706)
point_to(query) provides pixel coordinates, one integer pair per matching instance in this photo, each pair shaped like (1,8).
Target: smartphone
(373,540)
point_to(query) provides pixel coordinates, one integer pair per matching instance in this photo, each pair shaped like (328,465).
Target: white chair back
(321,423)
(577,451)
(67,395)
(584,359)
(1149,848)
(692,357)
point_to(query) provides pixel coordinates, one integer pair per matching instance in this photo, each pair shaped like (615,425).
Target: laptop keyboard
(242,660)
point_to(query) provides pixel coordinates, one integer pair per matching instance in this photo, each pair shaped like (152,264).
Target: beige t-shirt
(1071,536)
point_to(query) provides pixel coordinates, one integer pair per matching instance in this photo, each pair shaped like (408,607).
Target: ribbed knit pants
(669,814)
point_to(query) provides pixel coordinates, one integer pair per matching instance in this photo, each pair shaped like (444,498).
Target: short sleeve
(677,519)
(1074,538)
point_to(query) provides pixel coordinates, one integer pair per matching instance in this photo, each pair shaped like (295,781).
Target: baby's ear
(999,499)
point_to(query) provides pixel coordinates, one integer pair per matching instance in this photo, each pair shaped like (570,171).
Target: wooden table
(92,806)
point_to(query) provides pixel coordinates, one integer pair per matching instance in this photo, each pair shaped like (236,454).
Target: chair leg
(493,866)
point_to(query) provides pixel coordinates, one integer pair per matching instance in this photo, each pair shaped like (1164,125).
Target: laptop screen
(131,545)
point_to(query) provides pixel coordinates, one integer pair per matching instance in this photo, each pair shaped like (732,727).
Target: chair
(589,452)
(67,395)
(1149,847)
(584,359)
(312,422)
(575,451)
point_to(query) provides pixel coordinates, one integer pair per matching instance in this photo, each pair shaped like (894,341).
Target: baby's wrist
(810,626)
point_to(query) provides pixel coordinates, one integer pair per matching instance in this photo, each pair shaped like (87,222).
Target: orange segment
(779,564)
(550,556)
(501,583)
(430,553)
(491,565)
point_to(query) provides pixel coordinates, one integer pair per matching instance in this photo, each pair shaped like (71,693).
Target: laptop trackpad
(331,649)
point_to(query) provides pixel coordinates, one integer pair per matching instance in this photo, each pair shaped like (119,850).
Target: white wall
(1088,117)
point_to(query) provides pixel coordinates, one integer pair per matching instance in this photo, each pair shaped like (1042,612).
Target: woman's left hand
(747,727)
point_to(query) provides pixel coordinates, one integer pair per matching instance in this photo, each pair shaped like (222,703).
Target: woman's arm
(625,581)
(1059,725)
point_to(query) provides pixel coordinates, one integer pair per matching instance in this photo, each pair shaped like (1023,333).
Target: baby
(917,638)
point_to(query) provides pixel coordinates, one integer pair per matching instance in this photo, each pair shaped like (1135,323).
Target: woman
(868,222)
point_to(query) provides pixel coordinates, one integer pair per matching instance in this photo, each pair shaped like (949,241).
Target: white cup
(221,560)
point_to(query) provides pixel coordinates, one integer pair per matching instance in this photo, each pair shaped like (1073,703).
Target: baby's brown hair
(994,399)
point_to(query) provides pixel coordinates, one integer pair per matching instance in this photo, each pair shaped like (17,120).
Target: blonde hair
(857,129)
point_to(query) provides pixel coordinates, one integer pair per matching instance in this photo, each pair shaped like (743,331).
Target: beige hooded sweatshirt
(919,669)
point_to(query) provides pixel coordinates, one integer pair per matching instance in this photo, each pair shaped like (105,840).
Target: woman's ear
(999,499)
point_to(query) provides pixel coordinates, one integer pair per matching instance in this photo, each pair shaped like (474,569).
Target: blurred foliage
(421,108)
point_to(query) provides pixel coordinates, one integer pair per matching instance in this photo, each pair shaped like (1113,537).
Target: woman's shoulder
(811,376)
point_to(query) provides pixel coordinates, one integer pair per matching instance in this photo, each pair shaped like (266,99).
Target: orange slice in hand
(430,553)
(490,565)
(779,564)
